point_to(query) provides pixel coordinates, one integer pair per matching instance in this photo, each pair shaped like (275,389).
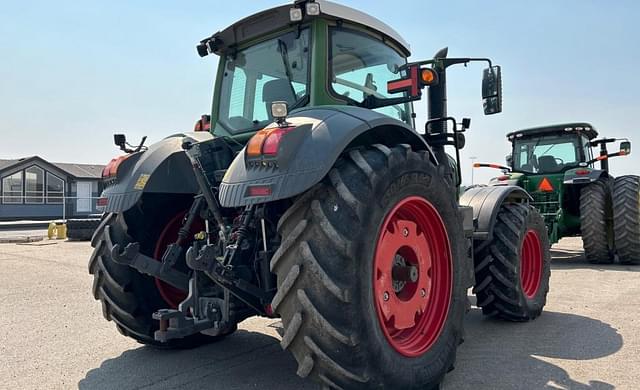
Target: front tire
(626,210)
(334,275)
(513,269)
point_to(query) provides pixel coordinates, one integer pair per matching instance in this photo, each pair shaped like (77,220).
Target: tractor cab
(310,54)
(551,150)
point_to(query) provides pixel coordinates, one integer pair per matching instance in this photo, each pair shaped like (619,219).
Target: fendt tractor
(313,198)
(556,164)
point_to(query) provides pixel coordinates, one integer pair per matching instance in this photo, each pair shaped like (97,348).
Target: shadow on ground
(495,355)
(244,360)
(505,355)
(565,258)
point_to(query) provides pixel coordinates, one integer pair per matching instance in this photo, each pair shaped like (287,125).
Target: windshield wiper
(282,47)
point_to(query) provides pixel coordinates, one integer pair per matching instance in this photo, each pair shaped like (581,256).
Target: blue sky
(73,73)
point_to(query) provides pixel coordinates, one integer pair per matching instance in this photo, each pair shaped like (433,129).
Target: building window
(12,188)
(55,189)
(34,185)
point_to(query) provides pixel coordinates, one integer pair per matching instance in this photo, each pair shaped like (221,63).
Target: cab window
(361,66)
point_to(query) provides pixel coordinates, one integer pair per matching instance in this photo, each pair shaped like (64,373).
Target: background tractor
(308,194)
(556,164)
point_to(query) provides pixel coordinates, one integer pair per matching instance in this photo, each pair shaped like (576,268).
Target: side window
(12,188)
(236,100)
(361,66)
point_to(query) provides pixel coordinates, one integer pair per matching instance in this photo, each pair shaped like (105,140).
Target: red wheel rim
(172,295)
(531,264)
(412,314)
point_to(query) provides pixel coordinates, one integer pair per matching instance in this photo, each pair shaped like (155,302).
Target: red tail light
(503,178)
(112,167)
(266,142)
(582,172)
(259,191)
(203,124)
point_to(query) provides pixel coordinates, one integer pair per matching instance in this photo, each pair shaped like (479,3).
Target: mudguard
(307,153)
(572,177)
(486,202)
(162,168)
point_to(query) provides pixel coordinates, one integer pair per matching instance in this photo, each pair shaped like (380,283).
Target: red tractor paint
(531,264)
(412,313)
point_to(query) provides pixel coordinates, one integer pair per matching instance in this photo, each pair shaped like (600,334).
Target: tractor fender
(486,202)
(308,152)
(162,168)
(571,176)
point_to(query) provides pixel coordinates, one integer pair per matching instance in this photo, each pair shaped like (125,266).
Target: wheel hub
(412,276)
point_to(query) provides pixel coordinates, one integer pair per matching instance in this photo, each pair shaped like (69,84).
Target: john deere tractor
(556,164)
(308,194)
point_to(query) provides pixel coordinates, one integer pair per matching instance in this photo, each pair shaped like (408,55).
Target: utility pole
(473,160)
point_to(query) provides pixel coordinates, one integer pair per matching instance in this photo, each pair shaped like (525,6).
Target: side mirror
(120,140)
(625,147)
(509,160)
(492,90)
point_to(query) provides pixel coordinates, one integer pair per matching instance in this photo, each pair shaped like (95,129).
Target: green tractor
(309,195)
(556,165)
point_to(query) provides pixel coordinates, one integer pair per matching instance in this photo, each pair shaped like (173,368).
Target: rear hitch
(132,257)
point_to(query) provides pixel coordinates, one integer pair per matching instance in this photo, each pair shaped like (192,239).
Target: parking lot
(54,337)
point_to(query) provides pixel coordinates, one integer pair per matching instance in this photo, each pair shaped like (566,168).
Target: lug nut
(385,296)
(405,232)
(423,293)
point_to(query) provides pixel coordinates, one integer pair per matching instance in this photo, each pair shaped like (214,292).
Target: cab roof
(582,127)
(276,18)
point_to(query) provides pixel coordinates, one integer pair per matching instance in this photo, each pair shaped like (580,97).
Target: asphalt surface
(53,335)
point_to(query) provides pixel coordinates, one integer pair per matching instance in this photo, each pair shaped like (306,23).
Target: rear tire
(128,297)
(325,270)
(626,211)
(596,222)
(513,269)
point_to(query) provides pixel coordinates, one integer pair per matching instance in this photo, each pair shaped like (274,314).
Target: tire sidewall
(535,222)
(414,178)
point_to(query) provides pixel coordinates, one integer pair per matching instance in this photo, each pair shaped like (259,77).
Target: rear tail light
(112,167)
(266,142)
(203,124)
(259,190)
(582,172)
(102,202)
(503,178)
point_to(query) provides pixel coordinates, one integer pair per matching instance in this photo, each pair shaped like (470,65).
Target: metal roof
(583,127)
(79,171)
(275,18)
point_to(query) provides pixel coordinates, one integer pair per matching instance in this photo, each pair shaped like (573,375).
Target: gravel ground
(54,337)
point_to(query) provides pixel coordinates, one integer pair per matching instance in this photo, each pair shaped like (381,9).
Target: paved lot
(53,335)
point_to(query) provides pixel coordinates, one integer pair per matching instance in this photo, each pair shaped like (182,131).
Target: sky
(73,73)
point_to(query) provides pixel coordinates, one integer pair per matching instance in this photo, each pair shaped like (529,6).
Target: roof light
(313,9)
(295,14)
